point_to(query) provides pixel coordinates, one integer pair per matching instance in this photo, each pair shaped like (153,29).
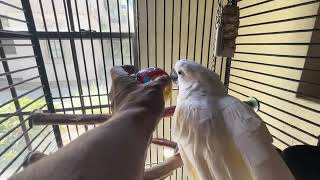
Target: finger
(121,71)
(161,82)
(129,69)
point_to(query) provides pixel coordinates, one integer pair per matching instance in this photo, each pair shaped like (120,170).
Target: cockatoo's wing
(198,137)
(253,140)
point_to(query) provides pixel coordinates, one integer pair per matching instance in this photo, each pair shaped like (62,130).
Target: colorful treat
(150,74)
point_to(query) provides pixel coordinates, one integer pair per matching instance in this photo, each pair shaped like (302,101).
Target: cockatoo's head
(189,73)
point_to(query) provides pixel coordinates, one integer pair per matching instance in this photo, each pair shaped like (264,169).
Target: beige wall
(290,119)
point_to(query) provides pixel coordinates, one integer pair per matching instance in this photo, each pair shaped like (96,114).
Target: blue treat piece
(146,79)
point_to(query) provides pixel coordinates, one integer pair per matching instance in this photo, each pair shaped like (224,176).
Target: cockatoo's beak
(174,76)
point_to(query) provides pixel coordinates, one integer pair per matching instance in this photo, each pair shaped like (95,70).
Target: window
(56,49)
(9,50)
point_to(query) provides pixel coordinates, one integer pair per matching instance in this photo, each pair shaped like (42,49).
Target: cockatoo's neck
(197,89)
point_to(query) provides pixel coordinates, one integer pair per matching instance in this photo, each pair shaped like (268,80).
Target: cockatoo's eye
(180,72)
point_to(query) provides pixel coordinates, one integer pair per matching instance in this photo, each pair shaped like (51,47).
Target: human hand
(127,93)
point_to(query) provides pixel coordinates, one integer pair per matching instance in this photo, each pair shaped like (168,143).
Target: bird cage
(56,56)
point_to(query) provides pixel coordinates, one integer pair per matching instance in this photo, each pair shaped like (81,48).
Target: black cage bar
(56,56)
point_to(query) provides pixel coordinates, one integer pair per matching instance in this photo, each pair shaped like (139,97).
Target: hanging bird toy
(150,74)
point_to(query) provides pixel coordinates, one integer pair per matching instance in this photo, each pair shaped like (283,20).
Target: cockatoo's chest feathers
(200,107)
(196,115)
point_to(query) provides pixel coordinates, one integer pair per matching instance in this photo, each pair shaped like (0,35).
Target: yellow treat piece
(167,92)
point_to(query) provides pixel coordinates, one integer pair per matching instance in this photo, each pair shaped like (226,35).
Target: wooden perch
(164,142)
(68,119)
(37,118)
(169,111)
(163,169)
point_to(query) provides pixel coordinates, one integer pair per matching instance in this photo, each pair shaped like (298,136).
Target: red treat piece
(149,74)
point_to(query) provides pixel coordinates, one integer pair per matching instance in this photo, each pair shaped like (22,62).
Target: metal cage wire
(75,43)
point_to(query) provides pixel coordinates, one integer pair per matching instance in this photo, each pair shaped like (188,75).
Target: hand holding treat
(150,74)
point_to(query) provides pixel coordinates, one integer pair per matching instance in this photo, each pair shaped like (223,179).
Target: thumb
(160,82)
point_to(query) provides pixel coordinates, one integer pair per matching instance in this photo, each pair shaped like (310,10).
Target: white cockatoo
(219,137)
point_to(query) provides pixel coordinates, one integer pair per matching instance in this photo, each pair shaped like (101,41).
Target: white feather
(219,137)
